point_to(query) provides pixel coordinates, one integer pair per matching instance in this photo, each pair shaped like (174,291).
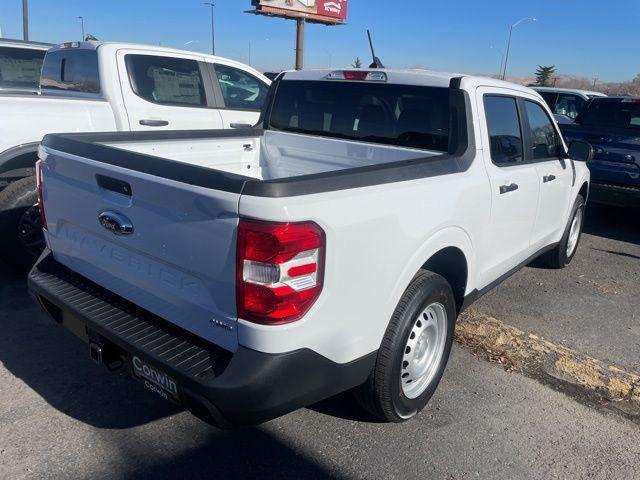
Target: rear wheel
(21,239)
(414,351)
(564,252)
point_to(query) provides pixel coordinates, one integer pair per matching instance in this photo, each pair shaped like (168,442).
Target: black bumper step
(128,326)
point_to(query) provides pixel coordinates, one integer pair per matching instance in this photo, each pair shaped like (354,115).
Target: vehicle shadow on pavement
(249,453)
(344,406)
(56,365)
(612,222)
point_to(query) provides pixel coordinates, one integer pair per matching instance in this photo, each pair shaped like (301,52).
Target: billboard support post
(299,43)
(25,19)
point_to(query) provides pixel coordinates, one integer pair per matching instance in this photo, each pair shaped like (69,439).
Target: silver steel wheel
(574,232)
(423,351)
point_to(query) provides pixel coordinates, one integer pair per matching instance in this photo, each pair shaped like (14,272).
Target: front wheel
(563,253)
(414,351)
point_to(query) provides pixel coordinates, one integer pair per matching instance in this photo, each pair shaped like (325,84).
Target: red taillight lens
(355,75)
(278,271)
(43,218)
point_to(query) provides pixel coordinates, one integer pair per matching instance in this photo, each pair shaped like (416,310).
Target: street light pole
(25,19)
(506,57)
(213,36)
(81,27)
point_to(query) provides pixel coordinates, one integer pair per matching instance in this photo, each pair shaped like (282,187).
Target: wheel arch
(21,156)
(451,263)
(584,190)
(449,253)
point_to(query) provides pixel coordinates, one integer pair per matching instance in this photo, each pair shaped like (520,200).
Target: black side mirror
(581,151)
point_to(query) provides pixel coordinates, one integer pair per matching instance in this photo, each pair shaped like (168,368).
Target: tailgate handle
(114,185)
(154,123)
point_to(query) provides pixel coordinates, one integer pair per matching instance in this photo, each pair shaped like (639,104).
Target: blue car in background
(612,126)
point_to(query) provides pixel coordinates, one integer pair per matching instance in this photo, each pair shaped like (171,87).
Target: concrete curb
(590,379)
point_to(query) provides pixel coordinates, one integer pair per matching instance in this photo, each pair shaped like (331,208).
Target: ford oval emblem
(116,223)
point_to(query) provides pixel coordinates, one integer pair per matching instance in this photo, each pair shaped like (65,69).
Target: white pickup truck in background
(248,273)
(98,86)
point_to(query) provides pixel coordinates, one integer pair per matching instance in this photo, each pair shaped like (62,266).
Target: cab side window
(542,134)
(505,134)
(240,90)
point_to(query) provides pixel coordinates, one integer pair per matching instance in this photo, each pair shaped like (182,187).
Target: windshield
(20,68)
(401,115)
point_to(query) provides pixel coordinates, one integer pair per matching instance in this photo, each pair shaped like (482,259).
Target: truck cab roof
(418,77)
(586,94)
(11,42)
(114,46)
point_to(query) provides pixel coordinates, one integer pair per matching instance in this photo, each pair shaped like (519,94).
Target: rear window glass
(20,68)
(613,114)
(400,115)
(166,80)
(71,70)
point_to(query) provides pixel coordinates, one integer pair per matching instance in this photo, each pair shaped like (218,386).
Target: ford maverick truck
(248,273)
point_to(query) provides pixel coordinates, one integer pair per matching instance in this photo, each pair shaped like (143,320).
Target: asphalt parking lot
(594,304)
(61,416)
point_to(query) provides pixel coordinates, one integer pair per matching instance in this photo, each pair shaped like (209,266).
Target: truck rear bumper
(614,195)
(222,388)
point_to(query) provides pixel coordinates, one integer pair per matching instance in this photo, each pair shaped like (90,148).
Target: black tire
(382,394)
(559,257)
(21,239)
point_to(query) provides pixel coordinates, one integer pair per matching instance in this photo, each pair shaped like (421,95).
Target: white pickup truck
(249,273)
(98,86)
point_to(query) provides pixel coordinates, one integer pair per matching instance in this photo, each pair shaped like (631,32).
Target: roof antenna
(376,61)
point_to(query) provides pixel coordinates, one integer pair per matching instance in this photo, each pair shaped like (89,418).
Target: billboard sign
(331,11)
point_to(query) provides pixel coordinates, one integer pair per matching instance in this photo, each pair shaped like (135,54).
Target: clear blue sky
(582,37)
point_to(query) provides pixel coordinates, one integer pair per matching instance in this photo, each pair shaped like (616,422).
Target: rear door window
(240,90)
(166,80)
(71,70)
(542,134)
(503,125)
(401,115)
(20,68)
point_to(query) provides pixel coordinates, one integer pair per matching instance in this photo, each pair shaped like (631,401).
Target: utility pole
(81,27)
(299,43)
(595,79)
(213,35)
(25,19)
(506,57)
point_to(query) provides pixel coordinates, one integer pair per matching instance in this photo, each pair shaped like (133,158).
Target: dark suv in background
(612,126)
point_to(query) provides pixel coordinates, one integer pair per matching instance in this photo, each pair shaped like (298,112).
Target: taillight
(279,270)
(43,218)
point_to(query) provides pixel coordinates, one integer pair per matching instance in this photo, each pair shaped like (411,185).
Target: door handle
(241,125)
(154,123)
(548,178)
(508,188)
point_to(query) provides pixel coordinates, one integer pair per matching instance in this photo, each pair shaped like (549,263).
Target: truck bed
(270,155)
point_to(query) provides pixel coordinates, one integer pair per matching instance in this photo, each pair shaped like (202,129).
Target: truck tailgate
(177,262)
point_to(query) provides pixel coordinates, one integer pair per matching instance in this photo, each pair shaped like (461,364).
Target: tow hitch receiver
(106,354)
